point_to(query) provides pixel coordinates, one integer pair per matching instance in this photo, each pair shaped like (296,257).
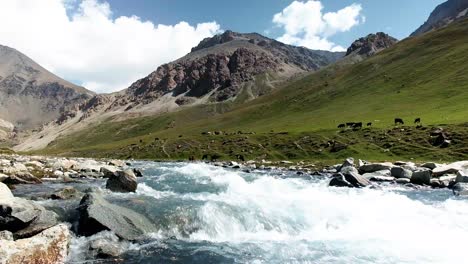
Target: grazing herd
(359,125)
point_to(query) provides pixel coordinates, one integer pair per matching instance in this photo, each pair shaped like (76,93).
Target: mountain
(424,76)
(219,69)
(31,96)
(444,14)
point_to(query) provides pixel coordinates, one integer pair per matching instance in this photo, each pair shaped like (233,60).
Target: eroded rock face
(48,247)
(97,214)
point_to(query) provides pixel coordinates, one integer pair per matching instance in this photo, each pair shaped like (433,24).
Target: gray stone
(421,177)
(460,189)
(373,167)
(429,165)
(97,214)
(452,168)
(349,162)
(402,180)
(24,218)
(399,172)
(461,177)
(357,180)
(122,181)
(348,170)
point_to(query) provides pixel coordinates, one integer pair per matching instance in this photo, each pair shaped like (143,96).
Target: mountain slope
(425,76)
(444,14)
(31,96)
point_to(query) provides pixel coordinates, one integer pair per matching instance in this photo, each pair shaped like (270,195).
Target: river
(208,214)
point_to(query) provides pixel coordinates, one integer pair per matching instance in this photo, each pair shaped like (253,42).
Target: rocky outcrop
(97,214)
(443,15)
(31,96)
(370,45)
(48,247)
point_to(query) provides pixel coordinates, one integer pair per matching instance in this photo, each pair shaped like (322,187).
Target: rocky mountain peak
(31,96)
(371,44)
(444,14)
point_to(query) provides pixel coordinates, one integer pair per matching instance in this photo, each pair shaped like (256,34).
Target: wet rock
(122,181)
(24,218)
(356,180)
(399,172)
(339,181)
(65,194)
(117,163)
(106,247)
(97,214)
(460,189)
(22,178)
(436,183)
(348,170)
(349,162)
(49,246)
(373,167)
(422,177)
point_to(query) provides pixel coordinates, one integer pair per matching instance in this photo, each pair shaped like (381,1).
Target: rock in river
(460,188)
(122,181)
(48,247)
(422,177)
(349,180)
(97,214)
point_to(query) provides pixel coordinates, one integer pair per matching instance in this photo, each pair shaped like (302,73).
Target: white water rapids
(208,214)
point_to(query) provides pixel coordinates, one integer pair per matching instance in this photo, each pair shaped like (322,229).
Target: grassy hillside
(424,77)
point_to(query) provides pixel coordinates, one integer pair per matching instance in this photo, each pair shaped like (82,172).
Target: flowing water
(208,214)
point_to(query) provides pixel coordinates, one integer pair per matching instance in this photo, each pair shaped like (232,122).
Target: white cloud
(104,53)
(305,24)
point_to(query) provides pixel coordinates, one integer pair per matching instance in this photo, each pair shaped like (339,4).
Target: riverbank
(169,201)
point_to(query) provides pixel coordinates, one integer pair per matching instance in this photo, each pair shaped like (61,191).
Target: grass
(424,77)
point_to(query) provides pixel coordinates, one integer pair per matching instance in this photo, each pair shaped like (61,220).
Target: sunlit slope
(425,77)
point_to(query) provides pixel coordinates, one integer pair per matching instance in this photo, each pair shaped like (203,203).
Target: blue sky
(398,18)
(105,45)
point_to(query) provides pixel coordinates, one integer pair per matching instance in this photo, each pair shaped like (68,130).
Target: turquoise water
(208,214)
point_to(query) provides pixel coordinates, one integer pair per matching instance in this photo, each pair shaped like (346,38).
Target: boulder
(339,181)
(122,181)
(5,192)
(399,172)
(64,164)
(65,194)
(138,172)
(106,247)
(49,246)
(22,178)
(373,167)
(117,163)
(3,177)
(422,177)
(349,162)
(24,218)
(452,168)
(348,170)
(97,214)
(461,176)
(460,189)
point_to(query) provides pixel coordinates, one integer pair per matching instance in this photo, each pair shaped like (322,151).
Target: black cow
(357,125)
(369,124)
(399,121)
(341,126)
(417,121)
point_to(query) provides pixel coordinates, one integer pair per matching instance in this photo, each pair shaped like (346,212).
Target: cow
(369,124)
(399,121)
(417,121)
(357,125)
(341,126)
